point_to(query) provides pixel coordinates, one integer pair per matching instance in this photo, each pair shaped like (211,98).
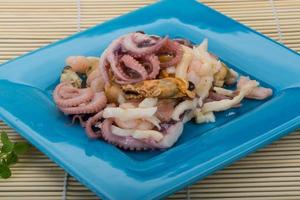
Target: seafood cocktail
(143,88)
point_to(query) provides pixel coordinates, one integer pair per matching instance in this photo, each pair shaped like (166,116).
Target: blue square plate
(26,84)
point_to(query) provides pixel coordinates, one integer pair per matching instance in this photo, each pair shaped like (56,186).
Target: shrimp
(78,63)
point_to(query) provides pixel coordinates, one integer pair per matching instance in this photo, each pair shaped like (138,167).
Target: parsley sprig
(9,154)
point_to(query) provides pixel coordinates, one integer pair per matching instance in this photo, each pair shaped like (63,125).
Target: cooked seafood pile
(143,88)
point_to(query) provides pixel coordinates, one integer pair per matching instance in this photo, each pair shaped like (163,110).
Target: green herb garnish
(9,154)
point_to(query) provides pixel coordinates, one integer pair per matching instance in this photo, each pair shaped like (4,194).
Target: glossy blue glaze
(26,104)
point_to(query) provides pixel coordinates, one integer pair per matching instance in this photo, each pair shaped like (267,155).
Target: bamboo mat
(270,173)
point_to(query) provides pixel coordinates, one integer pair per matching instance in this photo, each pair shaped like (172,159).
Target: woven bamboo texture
(271,173)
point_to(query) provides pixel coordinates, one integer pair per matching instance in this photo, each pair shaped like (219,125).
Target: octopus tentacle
(103,68)
(93,75)
(91,122)
(173,48)
(133,43)
(82,95)
(121,70)
(115,66)
(108,57)
(68,92)
(139,37)
(122,51)
(95,105)
(97,85)
(111,58)
(154,64)
(127,143)
(81,121)
(134,65)
(65,90)
(150,61)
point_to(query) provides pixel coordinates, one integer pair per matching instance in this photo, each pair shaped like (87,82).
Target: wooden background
(270,174)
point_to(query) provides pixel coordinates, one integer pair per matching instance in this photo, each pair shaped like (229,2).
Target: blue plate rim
(289,126)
